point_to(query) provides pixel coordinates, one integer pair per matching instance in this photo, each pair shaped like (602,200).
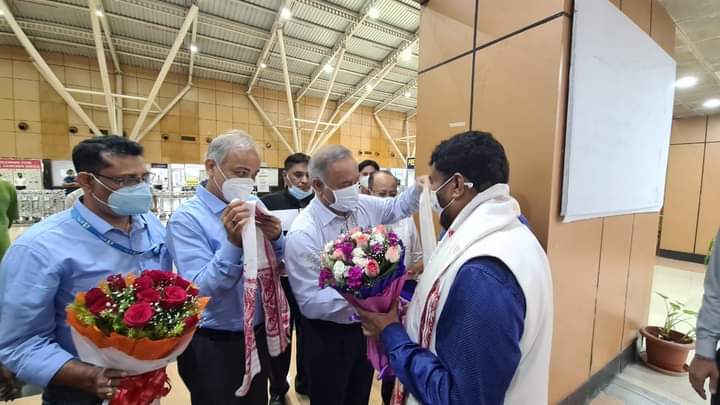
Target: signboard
(411,163)
(267,177)
(21,164)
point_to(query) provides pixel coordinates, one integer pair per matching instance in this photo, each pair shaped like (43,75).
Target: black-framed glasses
(127,181)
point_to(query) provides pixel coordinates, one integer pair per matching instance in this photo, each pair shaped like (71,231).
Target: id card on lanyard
(155,249)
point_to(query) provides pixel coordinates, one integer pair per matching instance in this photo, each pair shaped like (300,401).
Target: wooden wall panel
(443,106)
(682,194)
(498,18)
(574,253)
(709,215)
(662,27)
(612,286)
(502,83)
(640,275)
(639,11)
(447,30)
(688,130)
(713,130)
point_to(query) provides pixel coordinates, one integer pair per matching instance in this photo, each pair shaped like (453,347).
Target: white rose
(357,252)
(339,271)
(359,261)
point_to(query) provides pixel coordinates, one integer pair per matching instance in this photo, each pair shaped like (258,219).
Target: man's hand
(105,382)
(423,181)
(234,218)
(374,323)
(101,382)
(270,226)
(415,270)
(701,369)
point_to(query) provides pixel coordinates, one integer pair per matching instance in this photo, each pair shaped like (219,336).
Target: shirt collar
(214,204)
(324,214)
(102,226)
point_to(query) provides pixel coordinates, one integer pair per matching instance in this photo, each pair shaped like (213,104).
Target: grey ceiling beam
(395,96)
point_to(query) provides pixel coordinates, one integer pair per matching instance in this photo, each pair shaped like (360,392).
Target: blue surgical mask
(126,201)
(299,193)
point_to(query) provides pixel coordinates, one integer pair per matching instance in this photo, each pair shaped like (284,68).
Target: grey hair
(227,141)
(324,157)
(371,180)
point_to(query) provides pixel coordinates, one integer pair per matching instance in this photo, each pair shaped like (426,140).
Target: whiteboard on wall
(620,108)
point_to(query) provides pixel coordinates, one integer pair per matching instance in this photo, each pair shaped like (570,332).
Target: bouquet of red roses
(138,325)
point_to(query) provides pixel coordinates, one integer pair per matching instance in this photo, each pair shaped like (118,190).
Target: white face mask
(365,181)
(434,199)
(238,188)
(346,199)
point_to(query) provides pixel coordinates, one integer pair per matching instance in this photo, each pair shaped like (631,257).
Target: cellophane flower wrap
(366,267)
(138,325)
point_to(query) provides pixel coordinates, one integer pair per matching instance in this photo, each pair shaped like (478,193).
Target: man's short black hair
(369,162)
(90,155)
(371,180)
(296,159)
(478,156)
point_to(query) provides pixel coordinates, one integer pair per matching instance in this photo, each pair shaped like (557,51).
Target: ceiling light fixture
(685,82)
(99,13)
(2,12)
(327,68)
(408,94)
(374,13)
(193,48)
(285,13)
(712,103)
(263,65)
(406,53)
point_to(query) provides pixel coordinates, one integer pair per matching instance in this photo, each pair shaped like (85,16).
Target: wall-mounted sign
(28,164)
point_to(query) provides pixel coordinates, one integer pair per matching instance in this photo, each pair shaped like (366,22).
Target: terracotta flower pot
(666,354)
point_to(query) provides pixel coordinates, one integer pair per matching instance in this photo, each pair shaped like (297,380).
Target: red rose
(138,315)
(192,291)
(182,283)
(143,283)
(148,295)
(96,301)
(116,282)
(172,297)
(159,276)
(190,322)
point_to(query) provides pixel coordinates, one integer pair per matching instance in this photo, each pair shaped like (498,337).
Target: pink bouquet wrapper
(379,304)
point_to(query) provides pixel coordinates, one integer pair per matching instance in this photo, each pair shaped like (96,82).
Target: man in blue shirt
(109,231)
(479,326)
(204,238)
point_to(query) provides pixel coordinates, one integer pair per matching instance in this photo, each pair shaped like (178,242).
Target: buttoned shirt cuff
(706,347)
(47,367)
(393,336)
(230,253)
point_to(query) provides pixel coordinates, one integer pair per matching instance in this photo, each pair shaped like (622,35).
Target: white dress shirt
(317,225)
(407,232)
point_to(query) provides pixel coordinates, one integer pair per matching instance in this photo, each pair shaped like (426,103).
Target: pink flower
(354,230)
(381,229)
(354,280)
(393,254)
(338,255)
(372,269)
(326,278)
(362,241)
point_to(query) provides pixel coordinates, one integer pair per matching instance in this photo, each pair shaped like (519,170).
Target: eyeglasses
(127,181)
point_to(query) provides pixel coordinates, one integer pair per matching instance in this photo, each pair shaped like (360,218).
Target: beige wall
(602,269)
(210,107)
(691,217)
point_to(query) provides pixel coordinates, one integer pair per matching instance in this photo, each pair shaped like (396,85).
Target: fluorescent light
(99,13)
(685,82)
(193,48)
(327,68)
(369,87)
(374,13)
(2,12)
(712,103)
(406,53)
(408,94)
(263,65)
(285,13)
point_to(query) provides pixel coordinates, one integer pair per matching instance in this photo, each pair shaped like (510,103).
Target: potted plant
(666,347)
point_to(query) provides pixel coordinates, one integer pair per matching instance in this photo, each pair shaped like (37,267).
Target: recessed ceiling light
(712,103)
(374,13)
(285,13)
(99,13)
(327,68)
(685,82)
(408,94)
(193,48)
(369,87)
(2,12)
(263,65)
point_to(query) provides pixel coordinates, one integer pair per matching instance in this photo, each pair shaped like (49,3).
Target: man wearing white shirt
(335,348)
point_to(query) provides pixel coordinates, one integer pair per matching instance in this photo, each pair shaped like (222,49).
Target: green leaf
(690,312)
(662,295)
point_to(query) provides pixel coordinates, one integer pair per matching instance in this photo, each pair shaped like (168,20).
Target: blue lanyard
(154,249)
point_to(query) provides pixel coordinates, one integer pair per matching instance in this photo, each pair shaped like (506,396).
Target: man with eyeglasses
(205,240)
(108,231)
(296,196)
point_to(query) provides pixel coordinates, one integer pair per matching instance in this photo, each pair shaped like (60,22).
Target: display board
(619,116)
(267,177)
(25,173)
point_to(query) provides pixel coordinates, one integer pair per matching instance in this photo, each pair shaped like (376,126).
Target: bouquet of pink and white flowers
(366,266)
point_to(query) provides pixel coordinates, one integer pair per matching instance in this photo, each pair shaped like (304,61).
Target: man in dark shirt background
(70,182)
(295,196)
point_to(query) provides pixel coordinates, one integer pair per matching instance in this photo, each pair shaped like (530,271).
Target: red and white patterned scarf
(261,268)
